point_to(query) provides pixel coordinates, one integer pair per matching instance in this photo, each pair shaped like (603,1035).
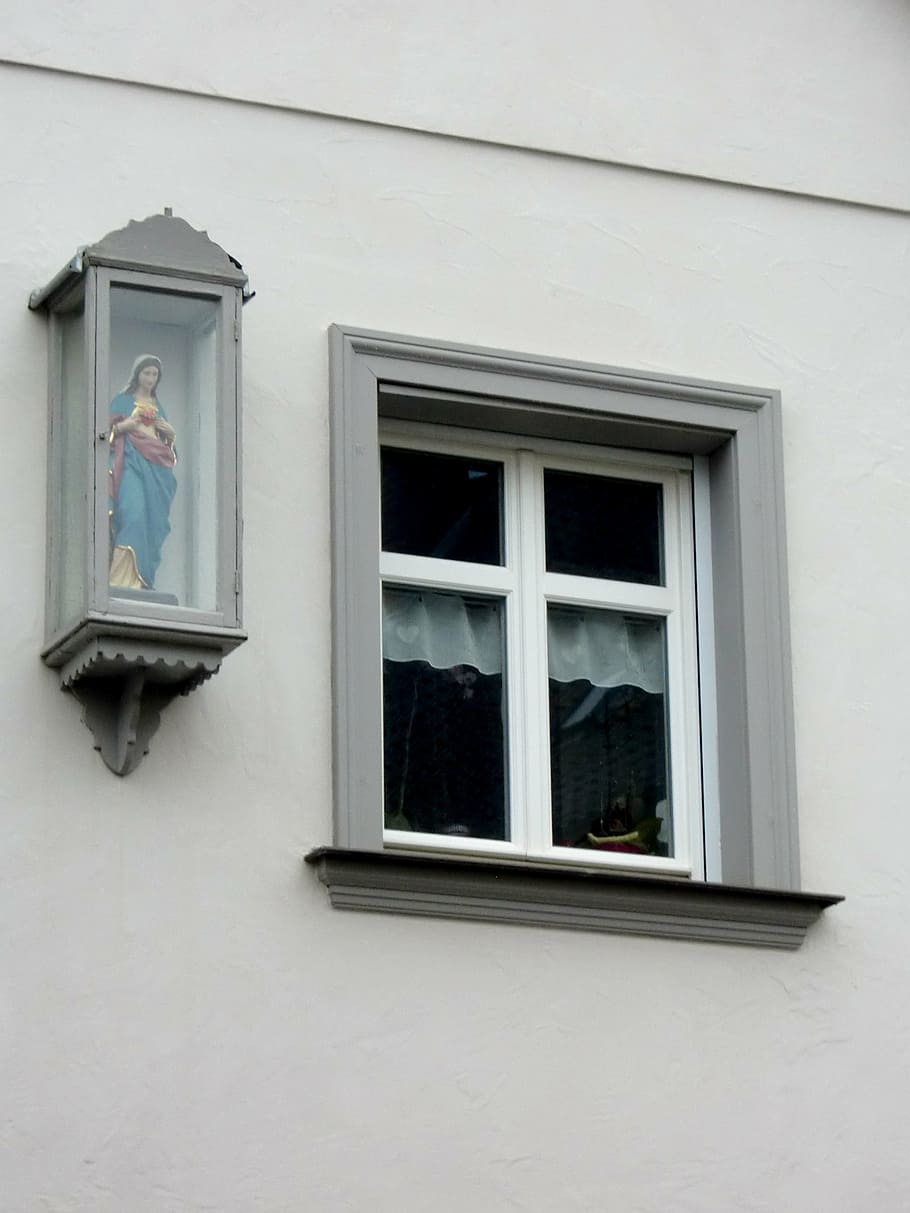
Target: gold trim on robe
(124,572)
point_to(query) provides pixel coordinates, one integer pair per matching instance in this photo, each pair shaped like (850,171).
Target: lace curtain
(607,648)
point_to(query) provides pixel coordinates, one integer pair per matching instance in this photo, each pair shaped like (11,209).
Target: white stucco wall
(798,94)
(187,1025)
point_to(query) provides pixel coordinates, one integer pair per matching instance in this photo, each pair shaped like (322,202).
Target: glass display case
(143,548)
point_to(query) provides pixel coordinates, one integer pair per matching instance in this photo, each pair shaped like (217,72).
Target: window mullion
(515,684)
(534,707)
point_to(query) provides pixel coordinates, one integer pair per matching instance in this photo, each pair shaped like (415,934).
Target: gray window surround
(738,432)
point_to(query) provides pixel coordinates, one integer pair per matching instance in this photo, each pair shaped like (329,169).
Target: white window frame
(733,436)
(526,588)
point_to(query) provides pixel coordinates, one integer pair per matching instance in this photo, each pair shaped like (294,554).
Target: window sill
(537,895)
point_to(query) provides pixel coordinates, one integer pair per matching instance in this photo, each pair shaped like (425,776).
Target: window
(474,775)
(539,657)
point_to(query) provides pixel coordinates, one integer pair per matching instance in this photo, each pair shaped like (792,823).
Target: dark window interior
(441,505)
(444,747)
(601,526)
(609,768)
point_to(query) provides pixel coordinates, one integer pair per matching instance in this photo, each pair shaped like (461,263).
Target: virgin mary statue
(142,477)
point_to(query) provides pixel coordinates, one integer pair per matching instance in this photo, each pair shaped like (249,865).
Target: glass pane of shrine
(72,454)
(163,473)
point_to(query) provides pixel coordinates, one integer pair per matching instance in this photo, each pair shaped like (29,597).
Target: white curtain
(607,648)
(442,629)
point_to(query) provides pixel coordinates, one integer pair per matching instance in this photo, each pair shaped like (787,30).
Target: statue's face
(148,378)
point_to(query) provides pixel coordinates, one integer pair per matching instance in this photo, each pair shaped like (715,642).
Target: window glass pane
(608,731)
(163,469)
(441,505)
(443,713)
(601,526)
(74,441)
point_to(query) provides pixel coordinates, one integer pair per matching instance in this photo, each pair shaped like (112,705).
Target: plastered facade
(186,1024)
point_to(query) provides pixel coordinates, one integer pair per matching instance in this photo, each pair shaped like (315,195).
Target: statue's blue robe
(142,489)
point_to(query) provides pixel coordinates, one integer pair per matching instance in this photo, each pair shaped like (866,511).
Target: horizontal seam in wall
(434,133)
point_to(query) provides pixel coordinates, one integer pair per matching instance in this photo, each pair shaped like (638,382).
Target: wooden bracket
(124,685)
(123,715)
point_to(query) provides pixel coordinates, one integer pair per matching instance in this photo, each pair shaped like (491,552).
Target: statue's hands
(128,426)
(166,430)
